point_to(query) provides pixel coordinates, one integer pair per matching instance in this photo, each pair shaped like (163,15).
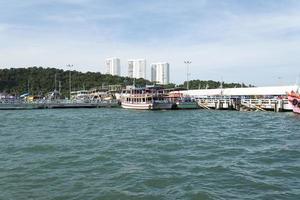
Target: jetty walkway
(272,98)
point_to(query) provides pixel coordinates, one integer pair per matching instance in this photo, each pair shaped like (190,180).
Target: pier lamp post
(187,62)
(70,80)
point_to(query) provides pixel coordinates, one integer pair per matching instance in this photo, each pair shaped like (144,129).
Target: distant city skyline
(256,42)
(137,68)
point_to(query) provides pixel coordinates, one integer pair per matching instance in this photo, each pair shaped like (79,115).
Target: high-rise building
(160,73)
(137,68)
(130,68)
(113,66)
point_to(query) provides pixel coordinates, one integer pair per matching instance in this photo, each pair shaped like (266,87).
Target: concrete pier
(272,98)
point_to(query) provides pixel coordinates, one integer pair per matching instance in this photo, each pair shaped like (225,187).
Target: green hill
(42,80)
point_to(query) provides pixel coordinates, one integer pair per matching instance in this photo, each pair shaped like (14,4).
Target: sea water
(127,154)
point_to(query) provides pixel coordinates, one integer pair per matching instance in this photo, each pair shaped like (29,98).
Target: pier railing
(245,104)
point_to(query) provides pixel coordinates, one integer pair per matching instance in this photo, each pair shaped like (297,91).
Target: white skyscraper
(137,68)
(113,66)
(160,73)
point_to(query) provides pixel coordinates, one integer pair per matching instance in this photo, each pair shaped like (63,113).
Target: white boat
(80,95)
(148,98)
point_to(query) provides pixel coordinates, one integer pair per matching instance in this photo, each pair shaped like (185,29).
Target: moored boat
(183,102)
(148,98)
(294,100)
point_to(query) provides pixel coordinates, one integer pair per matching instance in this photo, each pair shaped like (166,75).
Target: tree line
(210,84)
(40,81)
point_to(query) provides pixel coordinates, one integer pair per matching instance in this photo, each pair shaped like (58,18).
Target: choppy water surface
(123,154)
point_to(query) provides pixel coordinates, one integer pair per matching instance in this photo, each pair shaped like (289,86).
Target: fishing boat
(148,98)
(183,101)
(294,99)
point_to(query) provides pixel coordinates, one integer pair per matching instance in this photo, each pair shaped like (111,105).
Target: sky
(255,42)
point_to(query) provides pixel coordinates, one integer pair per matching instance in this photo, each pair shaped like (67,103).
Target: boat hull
(296,110)
(147,106)
(18,106)
(187,105)
(162,106)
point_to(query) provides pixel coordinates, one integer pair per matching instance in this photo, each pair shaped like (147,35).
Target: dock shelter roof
(253,91)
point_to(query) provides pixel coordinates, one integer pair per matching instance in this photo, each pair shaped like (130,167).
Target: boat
(183,101)
(147,98)
(294,100)
(82,95)
(17,104)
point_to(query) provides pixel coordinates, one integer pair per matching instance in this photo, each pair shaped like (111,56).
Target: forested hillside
(38,80)
(42,80)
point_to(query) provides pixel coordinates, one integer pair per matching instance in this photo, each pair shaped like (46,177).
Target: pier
(240,99)
(62,104)
(276,105)
(272,98)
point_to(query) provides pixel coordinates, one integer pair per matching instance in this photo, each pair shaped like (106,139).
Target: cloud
(4,27)
(238,41)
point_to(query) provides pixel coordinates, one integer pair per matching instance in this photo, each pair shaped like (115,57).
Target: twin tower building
(160,72)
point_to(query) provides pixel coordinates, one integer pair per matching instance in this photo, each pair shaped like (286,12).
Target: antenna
(221,85)
(187,62)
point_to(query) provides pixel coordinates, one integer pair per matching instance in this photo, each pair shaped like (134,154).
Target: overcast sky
(255,42)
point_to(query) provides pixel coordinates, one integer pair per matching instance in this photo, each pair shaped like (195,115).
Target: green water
(123,154)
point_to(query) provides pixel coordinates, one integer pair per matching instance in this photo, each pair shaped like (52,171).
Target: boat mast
(55,82)
(70,83)
(55,86)
(59,87)
(28,89)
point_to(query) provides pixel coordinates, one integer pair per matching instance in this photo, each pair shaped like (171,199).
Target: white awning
(253,91)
